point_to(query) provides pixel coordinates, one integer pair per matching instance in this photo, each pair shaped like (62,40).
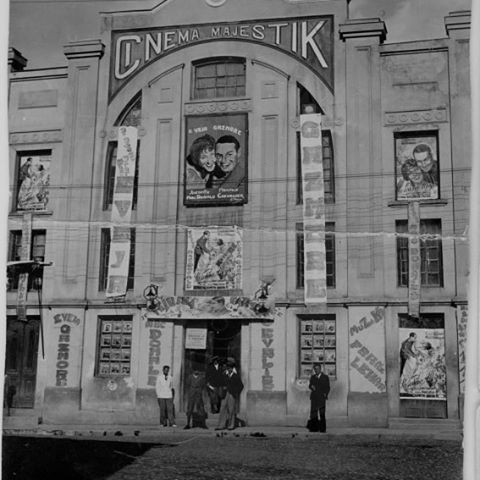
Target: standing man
(201,248)
(407,350)
(196,414)
(228,410)
(320,387)
(165,392)
(215,382)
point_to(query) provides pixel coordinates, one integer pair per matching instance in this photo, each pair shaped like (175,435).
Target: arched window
(218,78)
(131,116)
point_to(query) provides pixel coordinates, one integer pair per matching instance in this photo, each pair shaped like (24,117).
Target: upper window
(328,170)
(222,77)
(130,117)
(105,257)
(33,180)
(329,255)
(37,252)
(431,267)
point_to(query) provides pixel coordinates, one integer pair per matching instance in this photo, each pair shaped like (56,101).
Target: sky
(40,28)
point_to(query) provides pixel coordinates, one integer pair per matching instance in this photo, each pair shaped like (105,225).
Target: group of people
(224,385)
(213,163)
(419,175)
(221,382)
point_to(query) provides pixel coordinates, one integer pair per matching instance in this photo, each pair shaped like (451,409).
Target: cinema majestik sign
(309,39)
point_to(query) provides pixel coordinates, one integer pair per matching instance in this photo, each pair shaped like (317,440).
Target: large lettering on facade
(63,357)
(267,356)
(367,350)
(310,39)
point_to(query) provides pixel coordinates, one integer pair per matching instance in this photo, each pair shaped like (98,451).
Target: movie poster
(33,182)
(216,160)
(422,363)
(416,167)
(214,259)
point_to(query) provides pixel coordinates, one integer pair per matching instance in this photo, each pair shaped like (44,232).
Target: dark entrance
(223,341)
(21,360)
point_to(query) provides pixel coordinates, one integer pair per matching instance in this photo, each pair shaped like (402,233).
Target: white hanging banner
(122,211)
(315,272)
(414,262)
(124,174)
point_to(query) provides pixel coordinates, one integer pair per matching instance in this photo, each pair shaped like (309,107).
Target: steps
(428,424)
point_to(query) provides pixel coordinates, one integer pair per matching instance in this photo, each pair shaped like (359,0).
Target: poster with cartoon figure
(416,167)
(33,182)
(216,160)
(214,259)
(422,363)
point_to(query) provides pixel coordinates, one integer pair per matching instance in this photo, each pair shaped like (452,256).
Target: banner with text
(367,349)
(119,257)
(414,261)
(462,320)
(22,290)
(315,271)
(214,258)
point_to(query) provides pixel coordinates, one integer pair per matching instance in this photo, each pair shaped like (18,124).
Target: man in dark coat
(228,410)
(195,409)
(319,386)
(215,381)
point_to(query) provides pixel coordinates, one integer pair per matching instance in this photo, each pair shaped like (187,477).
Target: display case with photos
(115,340)
(318,345)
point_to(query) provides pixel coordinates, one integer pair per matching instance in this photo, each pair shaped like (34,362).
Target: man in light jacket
(165,392)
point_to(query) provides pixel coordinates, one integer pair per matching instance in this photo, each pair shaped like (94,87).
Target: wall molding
(202,108)
(409,117)
(41,136)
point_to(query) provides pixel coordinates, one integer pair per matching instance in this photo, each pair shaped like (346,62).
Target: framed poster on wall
(216,160)
(33,180)
(416,166)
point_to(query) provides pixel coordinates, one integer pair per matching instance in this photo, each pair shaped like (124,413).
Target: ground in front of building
(233,456)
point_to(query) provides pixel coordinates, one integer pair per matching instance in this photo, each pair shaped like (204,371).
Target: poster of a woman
(423,371)
(33,183)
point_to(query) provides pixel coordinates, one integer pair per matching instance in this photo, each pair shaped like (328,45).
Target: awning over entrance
(212,308)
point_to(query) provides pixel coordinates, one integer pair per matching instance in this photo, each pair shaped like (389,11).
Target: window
(431,267)
(220,78)
(318,344)
(104,259)
(33,180)
(328,170)
(114,345)
(329,254)
(110,176)
(130,117)
(37,252)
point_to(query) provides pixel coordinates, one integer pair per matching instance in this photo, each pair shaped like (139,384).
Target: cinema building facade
(293,138)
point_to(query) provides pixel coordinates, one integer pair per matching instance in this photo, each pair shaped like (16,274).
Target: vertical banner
(33,182)
(214,259)
(313,209)
(122,211)
(462,319)
(23,277)
(414,263)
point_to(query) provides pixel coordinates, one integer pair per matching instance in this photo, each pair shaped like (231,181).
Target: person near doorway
(228,409)
(196,414)
(319,386)
(215,383)
(165,394)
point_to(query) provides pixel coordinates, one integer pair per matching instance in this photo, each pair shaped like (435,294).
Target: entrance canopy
(212,308)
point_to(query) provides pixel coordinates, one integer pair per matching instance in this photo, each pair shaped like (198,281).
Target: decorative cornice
(363,27)
(16,60)
(42,136)
(230,106)
(84,49)
(437,115)
(460,20)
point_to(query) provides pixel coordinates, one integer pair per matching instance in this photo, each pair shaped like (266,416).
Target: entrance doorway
(222,340)
(21,360)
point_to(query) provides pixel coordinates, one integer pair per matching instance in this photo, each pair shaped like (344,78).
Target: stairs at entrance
(437,426)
